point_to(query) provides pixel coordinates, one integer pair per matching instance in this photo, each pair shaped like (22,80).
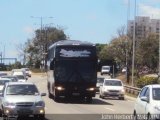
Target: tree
(38,46)
(147,53)
(99,48)
(119,50)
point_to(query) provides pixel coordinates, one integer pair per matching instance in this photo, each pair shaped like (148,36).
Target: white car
(105,70)
(3,81)
(21,77)
(112,88)
(27,71)
(124,70)
(148,103)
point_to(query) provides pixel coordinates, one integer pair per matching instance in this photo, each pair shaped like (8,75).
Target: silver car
(22,99)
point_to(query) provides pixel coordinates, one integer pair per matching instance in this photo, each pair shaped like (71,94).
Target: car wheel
(89,99)
(50,95)
(135,116)
(39,117)
(5,117)
(121,98)
(55,96)
(100,96)
(149,116)
(1,113)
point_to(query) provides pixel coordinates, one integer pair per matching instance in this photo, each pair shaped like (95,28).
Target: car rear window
(113,83)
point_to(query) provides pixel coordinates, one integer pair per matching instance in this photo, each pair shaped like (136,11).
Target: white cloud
(151,11)
(29,30)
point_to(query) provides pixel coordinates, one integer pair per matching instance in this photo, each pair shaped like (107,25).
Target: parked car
(13,78)
(148,103)
(100,81)
(112,88)
(27,71)
(22,99)
(105,70)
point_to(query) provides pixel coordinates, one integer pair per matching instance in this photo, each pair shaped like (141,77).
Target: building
(144,26)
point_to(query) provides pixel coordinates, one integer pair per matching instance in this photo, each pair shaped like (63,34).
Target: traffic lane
(107,105)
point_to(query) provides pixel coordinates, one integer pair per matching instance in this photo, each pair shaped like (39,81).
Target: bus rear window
(71,52)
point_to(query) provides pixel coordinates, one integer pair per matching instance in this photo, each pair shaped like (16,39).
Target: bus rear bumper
(76,93)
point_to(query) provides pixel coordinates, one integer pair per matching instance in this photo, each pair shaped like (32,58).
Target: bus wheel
(89,99)
(56,98)
(50,95)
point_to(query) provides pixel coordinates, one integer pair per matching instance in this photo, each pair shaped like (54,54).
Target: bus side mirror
(52,65)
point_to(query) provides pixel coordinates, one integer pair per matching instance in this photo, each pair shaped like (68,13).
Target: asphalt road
(77,110)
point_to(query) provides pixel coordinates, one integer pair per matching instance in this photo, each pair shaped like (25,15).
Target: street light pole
(128,16)
(134,34)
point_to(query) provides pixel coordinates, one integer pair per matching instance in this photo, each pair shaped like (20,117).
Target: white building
(144,25)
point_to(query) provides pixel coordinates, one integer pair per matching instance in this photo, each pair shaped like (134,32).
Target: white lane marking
(109,109)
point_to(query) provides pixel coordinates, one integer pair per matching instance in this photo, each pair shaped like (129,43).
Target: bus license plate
(75,94)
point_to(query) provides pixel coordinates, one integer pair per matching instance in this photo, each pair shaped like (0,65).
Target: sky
(94,21)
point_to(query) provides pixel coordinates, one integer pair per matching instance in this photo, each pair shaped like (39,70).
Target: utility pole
(1,57)
(43,45)
(128,17)
(134,35)
(4,53)
(159,55)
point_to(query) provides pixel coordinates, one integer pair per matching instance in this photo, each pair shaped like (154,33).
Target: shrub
(143,81)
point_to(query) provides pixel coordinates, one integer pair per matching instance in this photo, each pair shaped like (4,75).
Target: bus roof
(71,42)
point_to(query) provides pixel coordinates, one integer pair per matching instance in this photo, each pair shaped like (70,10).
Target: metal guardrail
(132,90)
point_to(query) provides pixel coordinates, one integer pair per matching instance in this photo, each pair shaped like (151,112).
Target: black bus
(72,70)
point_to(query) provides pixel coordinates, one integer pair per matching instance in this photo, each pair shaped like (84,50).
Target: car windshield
(20,76)
(100,80)
(112,83)
(22,90)
(2,82)
(156,93)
